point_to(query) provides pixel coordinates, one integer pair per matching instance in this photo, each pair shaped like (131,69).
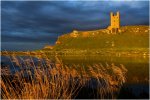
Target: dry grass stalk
(58,81)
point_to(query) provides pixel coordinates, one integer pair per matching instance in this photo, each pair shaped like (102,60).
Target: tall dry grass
(47,80)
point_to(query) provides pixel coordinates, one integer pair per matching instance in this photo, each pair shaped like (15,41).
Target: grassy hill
(129,38)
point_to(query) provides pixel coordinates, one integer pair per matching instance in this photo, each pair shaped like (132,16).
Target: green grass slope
(130,37)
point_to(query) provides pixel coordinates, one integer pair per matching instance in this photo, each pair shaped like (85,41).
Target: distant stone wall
(74,34)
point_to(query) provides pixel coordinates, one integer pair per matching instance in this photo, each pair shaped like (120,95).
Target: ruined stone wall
(115,20)
(114,23)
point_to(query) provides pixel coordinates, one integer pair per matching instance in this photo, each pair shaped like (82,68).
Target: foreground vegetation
(54,80)
(45,79)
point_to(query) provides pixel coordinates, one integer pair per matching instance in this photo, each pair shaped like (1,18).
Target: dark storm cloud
(44,21)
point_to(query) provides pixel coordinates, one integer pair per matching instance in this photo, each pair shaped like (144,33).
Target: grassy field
(130,38)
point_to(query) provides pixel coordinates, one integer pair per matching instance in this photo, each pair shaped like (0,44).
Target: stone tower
(114,23)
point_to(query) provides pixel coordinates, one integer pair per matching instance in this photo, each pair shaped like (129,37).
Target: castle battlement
(114,23)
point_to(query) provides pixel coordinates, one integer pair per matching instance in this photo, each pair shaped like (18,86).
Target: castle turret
(114,23)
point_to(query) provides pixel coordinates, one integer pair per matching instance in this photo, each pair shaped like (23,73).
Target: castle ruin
(114,23)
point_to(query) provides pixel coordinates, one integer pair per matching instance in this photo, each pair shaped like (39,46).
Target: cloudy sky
(29,25)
